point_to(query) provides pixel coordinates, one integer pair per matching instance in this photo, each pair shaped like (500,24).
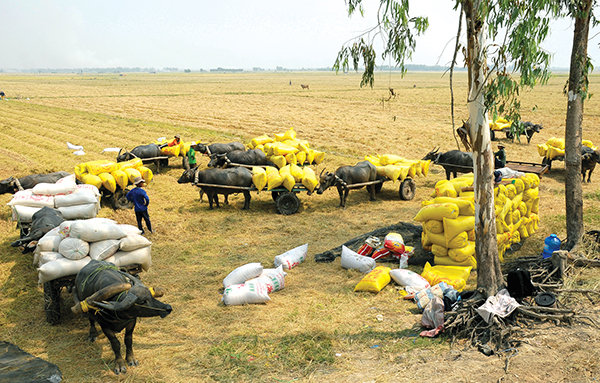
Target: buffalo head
(7,186)
(138,302)
(201,148)
(124,156)
(187,176)
(217,160)
(432,155)
(325,181)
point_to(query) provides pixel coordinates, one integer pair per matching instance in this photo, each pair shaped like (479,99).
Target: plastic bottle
(551,244)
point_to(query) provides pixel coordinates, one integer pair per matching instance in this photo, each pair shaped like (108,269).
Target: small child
(140,200)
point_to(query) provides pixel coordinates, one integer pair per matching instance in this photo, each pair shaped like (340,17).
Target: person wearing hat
(500,157)
(175,141)
(140,201)
(191,155)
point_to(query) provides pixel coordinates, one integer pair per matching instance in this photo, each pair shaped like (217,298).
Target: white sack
(133,242)
(88,187)
(246,293)
(407,278)
(353,260)
(274,279)
(49,243)
(78,197)
(292,258)
(130,229)
(60,267)
(94,230)
(242,274)
(48,256)
(27,198)
(86,211)
(101,250)
(79,153)
(142,256)
(73,248)
(62,186)
(74,147)
(24,213)
(116,150)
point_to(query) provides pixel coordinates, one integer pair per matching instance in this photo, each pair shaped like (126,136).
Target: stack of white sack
(64,250)
(72,200)
(251,283)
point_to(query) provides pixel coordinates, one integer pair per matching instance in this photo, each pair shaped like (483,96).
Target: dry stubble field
(317,328)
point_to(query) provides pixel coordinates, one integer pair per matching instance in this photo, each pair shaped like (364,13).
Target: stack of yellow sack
(112,175)
(287,176)
(500,124)
(449,218)
(175,150)
(555,147)
(285,148)
(398,168)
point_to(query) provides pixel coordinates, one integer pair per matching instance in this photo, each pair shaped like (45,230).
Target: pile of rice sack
(288,176)
(555,148)
(500,123)
(66,249)
(285,148)
(112,175)
(397,168)
(176,150)
(449,218)
(72,200)
(251,283)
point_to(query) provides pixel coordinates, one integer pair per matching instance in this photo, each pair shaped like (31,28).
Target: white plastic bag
(353,260)
(60,267)
(94,230)
(133,242)
(130,229)
(27,198)
(242,274)
(73,248)
(246,293)
(103,249)
(86,211)
(141,256)
(78,197)
(62,186)
(274,279)
(407,278)
(24,213)
(292,258)
(48,256)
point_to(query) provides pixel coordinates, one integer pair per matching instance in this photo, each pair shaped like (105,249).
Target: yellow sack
(279,161)
(172,151)
(303,146)
(516,216)
(452,275)
(279,137)
(290,134)
(439,251)
(461,240)
(465,206)
(374,160)
(274,179)
(523,228)
(530,194)
(375,280)
(319,157)
(589,144)
(296,172)
(108,181)
(517,200)
(462,254)
(132,174)
(310,156)
(390,159)
(261,140)
(260,147)
(301,158)
(459,184)
(259,177)
(425,167)
(434,226)
(91,179)
(293,143)
(395,172)
(437,211)
(511,191)
(447,261)
(455,226)
(467,194)
(80,170)
(184,148)
(444,188)
(268,149)
(132,163)
(542,149)
(309,179)
(556,142)
(101,166)
(288,178)
(290,158)
(554,152)
(425,242)
(146,174)
(120,178)
(281,149)
(523,209)
(535,207)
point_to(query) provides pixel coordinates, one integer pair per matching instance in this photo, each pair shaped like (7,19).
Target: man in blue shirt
(140,201)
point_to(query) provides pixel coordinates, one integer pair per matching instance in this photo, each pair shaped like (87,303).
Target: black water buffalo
(227,177)
(453,161)
(115,300)
(589,158)
(347,175)
(42,222)
(142,151)
(244,157)
(10,185)
(219,148)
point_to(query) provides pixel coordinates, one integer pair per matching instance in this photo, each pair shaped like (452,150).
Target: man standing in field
(140,201)
(191,155)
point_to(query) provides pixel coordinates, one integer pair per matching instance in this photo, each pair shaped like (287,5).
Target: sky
(209,34)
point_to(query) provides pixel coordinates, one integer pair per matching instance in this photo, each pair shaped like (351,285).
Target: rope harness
(16,183)
(339,181)
(196,171)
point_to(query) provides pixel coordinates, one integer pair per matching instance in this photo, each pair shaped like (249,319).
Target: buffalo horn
(102,295)
(120,150)
(157,292)
(321,172)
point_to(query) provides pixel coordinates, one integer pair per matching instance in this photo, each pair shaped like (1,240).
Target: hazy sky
(208,34)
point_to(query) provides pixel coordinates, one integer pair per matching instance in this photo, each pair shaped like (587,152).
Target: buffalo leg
(120,365)
(210,199)
(590,172)
(342,199)
(93,332)
(346,190)
(371,190)
(216,199)
(131,361)
(246,200)
(448,174)
(226,199)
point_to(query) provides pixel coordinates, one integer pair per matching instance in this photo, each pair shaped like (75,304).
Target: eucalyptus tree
(497,72)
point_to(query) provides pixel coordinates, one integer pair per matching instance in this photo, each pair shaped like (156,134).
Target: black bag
(519,284)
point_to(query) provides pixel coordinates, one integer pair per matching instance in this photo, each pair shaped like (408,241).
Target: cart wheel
(378,187)
(548,162)
(164,163)
(407,189)
(287,203)
(275,194)
(492,135)
(52,303)
(185,163)
(119,200)
(509,135)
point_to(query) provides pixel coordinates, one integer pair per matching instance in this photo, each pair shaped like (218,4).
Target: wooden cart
(528,167)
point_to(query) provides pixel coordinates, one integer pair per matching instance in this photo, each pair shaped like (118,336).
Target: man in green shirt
(191,155)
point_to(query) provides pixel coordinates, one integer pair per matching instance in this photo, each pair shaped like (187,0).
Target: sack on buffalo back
(141,256)
(246,293)
(60,268)
(86,211)
(134,242)
(73,248)
(27,198)
(292,258)
(79,197)
(242,274)
(376,280)
(259,177)
(101,250)
(352,260)
(95,230)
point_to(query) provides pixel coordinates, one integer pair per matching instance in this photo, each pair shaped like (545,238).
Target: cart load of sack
(285,148)
(176,150)
(112,175)
(397,168)
(449,218)
(288,176)
(554,148)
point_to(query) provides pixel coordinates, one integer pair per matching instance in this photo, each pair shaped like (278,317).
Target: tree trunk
(489,272)
(577,74)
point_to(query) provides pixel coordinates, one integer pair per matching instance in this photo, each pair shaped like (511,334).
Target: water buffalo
(530,130)
(219,148)
(245,157)
(11,184)
(453,161)
(142,151)
(115,300)
(238,176)
(42,222)
(347,175)
(589,158)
